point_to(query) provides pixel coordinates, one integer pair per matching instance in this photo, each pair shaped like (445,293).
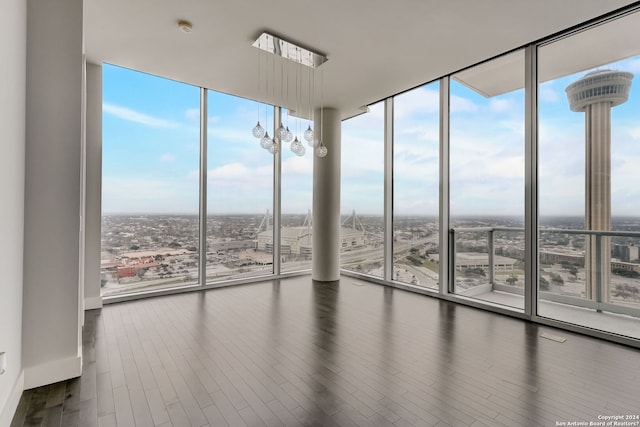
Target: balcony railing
(591,251)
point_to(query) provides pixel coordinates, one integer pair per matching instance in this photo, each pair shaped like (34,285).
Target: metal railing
(594,292)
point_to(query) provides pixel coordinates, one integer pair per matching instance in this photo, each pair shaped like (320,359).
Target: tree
(543,283)
(414,260)
(626,273)
(134,247)
(557,279)
(478,271)
(140,272)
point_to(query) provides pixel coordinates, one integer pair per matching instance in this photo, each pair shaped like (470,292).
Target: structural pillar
(93,182)
(326,197)
(52,334)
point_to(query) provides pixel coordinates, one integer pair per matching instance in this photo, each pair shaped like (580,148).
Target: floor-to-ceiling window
(296,196)
(149,197)
(589,151)
(487,180)
(362,193)
(239,190)
(416,178)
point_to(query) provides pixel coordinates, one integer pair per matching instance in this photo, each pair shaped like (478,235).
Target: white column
(51,348)
(326,198)
(93,171)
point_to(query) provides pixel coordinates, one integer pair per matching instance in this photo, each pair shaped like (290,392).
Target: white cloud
(134,194)
(137,117)
(500,105)
(635,133)
(218,135)
(239,176)
(167,158)
(418,101)
(424,133)
(633,66)
(367,152)
(547,94)
(459,104)
(298,166)
(514,126)
(192,114)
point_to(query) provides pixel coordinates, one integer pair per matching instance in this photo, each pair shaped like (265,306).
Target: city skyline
(151,138)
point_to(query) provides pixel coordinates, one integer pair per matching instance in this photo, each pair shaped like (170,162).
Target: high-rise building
(595,94)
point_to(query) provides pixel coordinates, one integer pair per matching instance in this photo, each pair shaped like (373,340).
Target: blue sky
(151,137)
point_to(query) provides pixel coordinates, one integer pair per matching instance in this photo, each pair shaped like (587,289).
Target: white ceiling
(376,48)
(585,50)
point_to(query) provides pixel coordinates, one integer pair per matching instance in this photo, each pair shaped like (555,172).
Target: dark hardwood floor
(293,352)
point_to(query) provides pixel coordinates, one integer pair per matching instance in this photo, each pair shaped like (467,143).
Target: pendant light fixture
(280,47)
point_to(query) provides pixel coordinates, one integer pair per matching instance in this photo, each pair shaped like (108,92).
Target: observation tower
(595,94)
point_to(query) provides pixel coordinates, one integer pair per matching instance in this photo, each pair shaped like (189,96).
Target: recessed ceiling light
(185,26)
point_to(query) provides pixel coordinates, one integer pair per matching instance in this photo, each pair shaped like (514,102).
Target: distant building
(626,266)
(126,266)
(294,240)
(465,260)
(625,253)
(297,240)
(553,257)
(595,94)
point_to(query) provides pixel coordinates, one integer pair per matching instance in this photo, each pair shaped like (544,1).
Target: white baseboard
(52,372)
(92,303)
(9,409)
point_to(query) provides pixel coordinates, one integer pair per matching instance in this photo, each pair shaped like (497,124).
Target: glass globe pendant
(274,147)
(288,135)
(258,131)
(266,141)
(281,132)
(321,150)
(308,136)
(295,145)
(301,151)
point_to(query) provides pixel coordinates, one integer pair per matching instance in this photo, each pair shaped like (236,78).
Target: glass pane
(150,139)
(487,180)
(416,186)
(588,167)
(240,190)
(297,197)
(362,192)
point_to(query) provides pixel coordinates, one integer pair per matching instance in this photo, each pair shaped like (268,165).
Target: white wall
(93,212)
(51,329)
(12,122)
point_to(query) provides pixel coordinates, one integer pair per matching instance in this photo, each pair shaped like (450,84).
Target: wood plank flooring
(297,353)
